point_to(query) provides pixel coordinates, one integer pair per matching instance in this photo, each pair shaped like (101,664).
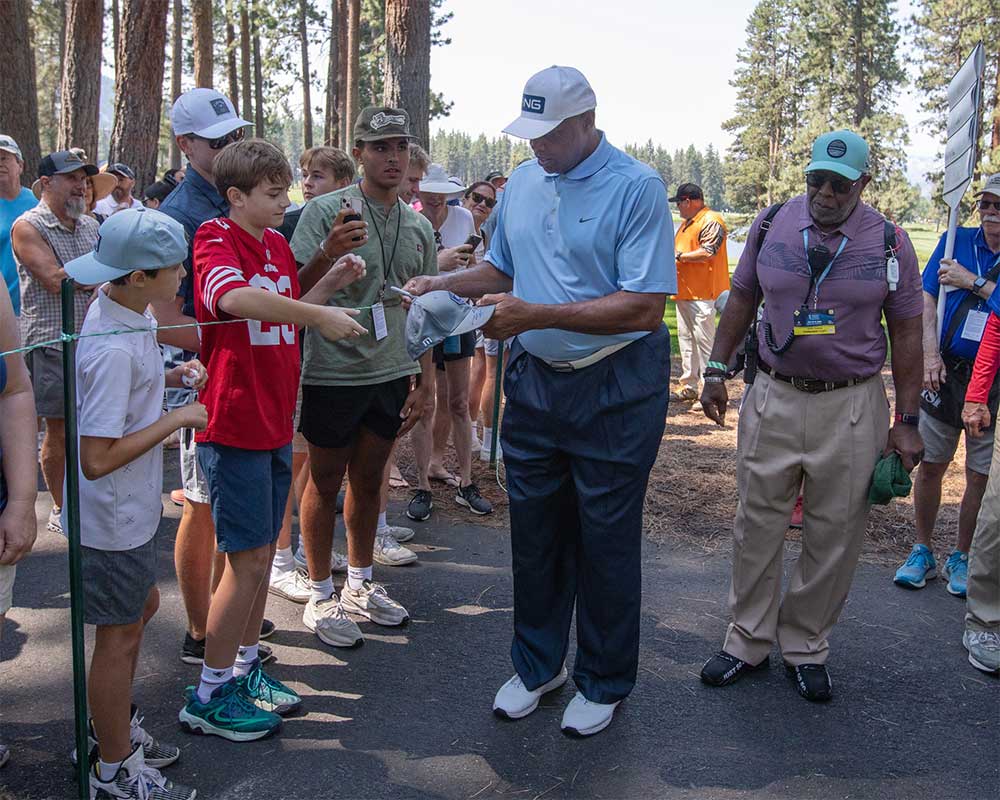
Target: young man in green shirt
(358,397)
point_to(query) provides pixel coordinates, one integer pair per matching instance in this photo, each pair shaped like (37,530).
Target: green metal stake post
(495,437)
(72,503)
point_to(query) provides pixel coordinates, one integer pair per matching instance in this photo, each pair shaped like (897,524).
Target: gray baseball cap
(435,316)
(7,143)
(136,238)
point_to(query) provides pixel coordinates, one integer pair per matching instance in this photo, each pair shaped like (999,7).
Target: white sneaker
(514,701)
(328,621)
(398,532)
(484,454)
(585,718)
(391,553)
(55,520)
(137,780)
(477,443)
(372,601)
(290,584)
(338,563)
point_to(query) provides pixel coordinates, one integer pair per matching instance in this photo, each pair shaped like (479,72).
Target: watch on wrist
(902,418)
(978,284)
(677,255)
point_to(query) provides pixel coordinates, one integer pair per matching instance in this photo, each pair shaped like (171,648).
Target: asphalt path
(408,714)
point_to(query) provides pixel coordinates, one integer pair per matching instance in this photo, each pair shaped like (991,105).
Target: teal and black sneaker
(956,572)
(228,713)
(918,567)
(266,693)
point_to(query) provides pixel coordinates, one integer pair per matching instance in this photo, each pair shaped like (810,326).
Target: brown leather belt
(811,385)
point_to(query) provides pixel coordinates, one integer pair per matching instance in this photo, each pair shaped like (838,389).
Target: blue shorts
(248,490)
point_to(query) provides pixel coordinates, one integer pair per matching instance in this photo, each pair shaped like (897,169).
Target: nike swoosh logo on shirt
(587,219)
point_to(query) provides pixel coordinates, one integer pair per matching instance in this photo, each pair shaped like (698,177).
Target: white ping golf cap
(136,238)
(551,96)
(435,316)
(205,113)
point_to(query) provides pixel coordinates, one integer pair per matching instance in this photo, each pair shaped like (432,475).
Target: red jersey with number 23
(253,367)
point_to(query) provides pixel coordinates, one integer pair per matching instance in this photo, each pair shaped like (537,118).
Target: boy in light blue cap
(120,380)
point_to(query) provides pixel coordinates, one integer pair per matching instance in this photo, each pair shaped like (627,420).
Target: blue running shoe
(229,713)
(919,566)
(956,572)
(267,693)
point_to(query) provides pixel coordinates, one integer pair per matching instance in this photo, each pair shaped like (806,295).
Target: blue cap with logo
(843,152)
(435,316)
(136,238)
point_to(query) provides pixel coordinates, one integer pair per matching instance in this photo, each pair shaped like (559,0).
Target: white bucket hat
(436,181)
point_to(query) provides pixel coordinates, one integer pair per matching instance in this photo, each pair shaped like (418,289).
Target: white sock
(356,576)
(245,657)
(322,590)
(382,523)
(284,561)
(487,438)
(106,770)
(212,679)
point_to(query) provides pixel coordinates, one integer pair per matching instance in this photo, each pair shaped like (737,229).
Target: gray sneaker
(372,601)
(984,650)
(389,552)
(470,497)
(328,621)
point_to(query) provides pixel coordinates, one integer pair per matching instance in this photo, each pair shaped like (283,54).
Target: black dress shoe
(266,628)
(723,669)
(812,680)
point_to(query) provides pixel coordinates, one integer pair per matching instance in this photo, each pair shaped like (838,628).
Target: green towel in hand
(889,480)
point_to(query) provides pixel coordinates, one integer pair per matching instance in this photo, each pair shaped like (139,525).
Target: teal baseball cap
(843,152)
(136,238)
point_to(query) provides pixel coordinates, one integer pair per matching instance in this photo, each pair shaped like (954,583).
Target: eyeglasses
(986,205)
(221,141)
(816,180)
(478,198)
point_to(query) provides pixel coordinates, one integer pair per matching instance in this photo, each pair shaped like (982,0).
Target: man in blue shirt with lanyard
(970,279)
(581,263)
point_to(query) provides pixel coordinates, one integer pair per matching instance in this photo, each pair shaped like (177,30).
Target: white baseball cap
(990,186)
(551,96)
(436,181)
(205,113)
(8,145)
(136,238)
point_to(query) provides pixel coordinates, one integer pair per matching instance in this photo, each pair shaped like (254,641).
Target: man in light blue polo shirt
(579,268)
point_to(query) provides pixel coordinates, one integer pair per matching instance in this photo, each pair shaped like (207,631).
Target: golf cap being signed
(435,316)
(205,113)
(136,238)
(551,96)
(843,152)
(990,186)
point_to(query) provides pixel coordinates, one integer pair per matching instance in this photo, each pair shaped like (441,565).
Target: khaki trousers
(830,441)
(695,337)
(983,592)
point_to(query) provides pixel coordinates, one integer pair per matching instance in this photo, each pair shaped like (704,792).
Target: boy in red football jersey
(244,269)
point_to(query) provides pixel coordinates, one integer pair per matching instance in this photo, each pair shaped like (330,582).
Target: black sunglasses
(221,141)
(478,198)
(986,205)
(816,180)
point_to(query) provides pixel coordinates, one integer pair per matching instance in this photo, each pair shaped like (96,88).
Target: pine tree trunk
(245,77)
(994,109)
(258,76)
(79,112)
(19,109)
(231,70)
(176,56)
(343,52)
(204,42)
(331,132)
(139,93)
(307,125)
(115,32)
(408,62)
(353,65)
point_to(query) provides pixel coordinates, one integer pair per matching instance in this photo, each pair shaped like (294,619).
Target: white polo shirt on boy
(119,384)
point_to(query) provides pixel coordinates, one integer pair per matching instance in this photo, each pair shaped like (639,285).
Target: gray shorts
(195,486)
(941,442)
(492,346)
(116,583)
(46,369)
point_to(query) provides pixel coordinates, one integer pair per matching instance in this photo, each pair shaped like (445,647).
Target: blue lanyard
(822,277)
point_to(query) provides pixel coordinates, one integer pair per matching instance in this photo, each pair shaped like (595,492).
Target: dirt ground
(692,489)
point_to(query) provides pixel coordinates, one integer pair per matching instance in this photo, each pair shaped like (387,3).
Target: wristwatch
(978,284)
(902,418)
(677,255)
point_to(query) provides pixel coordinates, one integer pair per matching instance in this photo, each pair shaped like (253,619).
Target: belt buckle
(802,384)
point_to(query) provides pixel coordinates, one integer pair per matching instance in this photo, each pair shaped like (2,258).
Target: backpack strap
(765,224)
